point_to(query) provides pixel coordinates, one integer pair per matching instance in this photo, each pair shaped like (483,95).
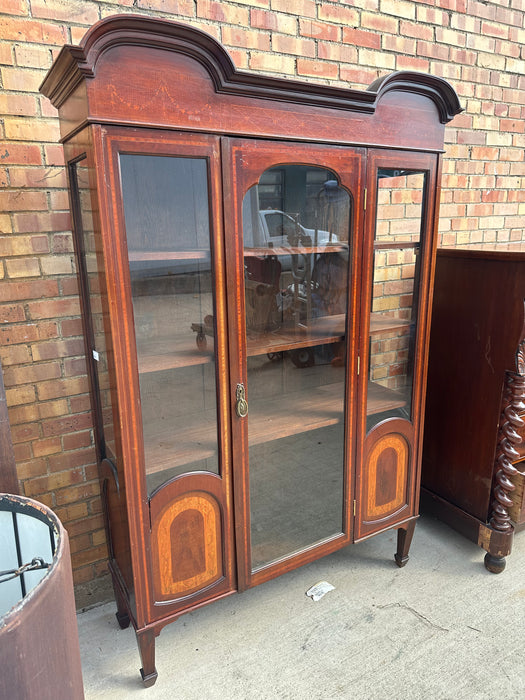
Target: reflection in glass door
(166,207)
(397,249)
(296,229)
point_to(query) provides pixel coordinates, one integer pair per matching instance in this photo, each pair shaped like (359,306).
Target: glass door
(295,213)
(397,270)
(176,349)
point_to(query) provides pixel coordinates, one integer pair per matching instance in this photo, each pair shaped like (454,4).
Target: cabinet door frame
(244,160)
(113,142)
(406,433)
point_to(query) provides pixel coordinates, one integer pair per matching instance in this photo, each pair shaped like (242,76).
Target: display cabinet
(255,258)
(473,471)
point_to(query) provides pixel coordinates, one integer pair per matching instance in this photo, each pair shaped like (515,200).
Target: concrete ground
(441,628)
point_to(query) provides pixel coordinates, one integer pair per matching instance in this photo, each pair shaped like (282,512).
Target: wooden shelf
(320,331)
(172,353)
(143,255)
(299,250)
(383,323)
(196,439)
(396,245)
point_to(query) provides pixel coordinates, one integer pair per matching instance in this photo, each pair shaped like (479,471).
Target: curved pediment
(76,63)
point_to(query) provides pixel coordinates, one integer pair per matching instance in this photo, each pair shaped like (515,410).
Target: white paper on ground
(319,590)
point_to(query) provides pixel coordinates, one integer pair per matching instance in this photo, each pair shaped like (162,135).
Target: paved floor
(442,627)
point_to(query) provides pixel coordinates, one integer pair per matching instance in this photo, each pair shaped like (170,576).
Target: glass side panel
(91,256)
(399,221)
(296,287)
(168,232)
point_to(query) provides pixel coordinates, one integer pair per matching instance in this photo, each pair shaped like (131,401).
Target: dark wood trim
(75,63)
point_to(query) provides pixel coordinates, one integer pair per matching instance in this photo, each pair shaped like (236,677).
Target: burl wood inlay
(388,466)
(188,546)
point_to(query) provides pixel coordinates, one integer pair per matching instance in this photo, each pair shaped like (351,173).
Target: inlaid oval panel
(387,481)
(187,546)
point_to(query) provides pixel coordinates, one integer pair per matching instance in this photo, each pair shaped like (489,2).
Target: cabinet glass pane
(296,287)
(168,234)
(397,245)
(90,255)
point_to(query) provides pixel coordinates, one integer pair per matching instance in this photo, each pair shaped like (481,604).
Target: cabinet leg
(146,643)
(494,564)
(404,540)
(122,611)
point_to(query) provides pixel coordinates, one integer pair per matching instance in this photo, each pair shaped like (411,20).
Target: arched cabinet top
(121,48)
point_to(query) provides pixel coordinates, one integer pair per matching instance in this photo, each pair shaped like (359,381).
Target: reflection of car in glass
(281,229)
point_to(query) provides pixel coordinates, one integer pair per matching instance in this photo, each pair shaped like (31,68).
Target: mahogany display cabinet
(255,258)
(473,470)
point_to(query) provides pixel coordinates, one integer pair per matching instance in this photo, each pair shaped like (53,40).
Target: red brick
(55,349)
(23,154)
(320,30)
(51,308)
(337,52)
(77,493)
(26,333)
(15,355)
(72,11)
(176,7)
(46,447)
(332,13)
(62,243)
(43,221)
(11,200)
(22,79)
(412,63)
(15,7)
(38,177)
(67,424)
(25,433)
(71,327)
(219,12)
(72,460)
(22,453)
(236,36)
(80,403)
(36,372)
(19,105)
(31,469)
(53,155)
(262,19)
(75,441)
(19,129)
(317,69)
(90,555)
(15,291)
(358,37)
(12,313)
(282,43)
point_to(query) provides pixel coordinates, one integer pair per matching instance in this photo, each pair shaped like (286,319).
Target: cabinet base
(497,544)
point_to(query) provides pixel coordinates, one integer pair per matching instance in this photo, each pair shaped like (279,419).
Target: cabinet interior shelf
(194,438)
(144,255)
(295,250)
(170,353)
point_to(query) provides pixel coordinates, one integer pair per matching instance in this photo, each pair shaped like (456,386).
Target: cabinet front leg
(404,540)
(146,643)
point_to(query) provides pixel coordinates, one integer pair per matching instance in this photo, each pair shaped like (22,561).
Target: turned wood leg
(494,564)
(146,643)
(404,539)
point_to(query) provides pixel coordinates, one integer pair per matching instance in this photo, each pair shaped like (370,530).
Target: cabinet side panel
(99,350)
(473,341)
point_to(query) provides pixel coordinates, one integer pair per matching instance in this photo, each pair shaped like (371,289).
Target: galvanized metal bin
(39,648)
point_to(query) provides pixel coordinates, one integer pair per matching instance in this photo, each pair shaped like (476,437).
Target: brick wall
(478,46)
